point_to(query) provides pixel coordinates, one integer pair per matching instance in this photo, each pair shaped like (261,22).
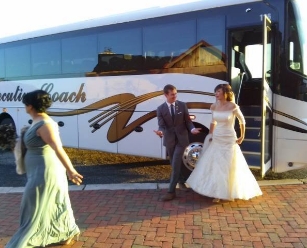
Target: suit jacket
(179,128)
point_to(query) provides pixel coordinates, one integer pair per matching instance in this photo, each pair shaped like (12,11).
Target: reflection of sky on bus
(19,16)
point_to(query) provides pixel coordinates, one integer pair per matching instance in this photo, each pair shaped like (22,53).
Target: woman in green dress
(46,216)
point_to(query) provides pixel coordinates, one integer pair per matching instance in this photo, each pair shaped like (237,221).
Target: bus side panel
(290,134)
(68,128)
(144,143)
(92,138)
(290,155)
(22,118)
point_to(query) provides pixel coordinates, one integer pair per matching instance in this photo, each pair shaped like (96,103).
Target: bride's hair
(227,90)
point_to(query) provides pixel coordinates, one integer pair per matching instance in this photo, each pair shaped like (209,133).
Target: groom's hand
(159,133)
(195,130)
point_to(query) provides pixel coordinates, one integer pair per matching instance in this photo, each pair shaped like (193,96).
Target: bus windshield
(297,36)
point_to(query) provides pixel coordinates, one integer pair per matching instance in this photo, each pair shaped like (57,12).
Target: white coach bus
(106,76)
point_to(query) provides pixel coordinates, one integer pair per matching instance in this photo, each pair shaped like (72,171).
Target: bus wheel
(192,151)
(191,154)
(7,119)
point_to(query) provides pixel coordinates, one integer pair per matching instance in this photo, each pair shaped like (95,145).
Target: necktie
(172,111)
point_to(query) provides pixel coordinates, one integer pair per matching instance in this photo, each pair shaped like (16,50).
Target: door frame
(267,98)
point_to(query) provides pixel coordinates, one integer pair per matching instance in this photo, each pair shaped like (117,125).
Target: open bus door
(251,50)
(266,98)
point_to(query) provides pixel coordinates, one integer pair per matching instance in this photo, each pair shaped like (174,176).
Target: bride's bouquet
(7,136)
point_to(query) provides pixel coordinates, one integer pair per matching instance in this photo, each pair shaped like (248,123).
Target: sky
(20,16)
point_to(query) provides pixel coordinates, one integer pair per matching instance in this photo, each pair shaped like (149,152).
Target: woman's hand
(75,177)
(240,140)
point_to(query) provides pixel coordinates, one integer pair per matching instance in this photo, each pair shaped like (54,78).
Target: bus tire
(193,150)
(5,118)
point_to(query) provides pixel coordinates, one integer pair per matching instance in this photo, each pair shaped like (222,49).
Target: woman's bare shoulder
(232,106)
(213,106)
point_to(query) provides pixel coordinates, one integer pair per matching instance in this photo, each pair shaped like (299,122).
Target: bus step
(252,159)
(251,145)
(252,133)
(253,110)
(253,121)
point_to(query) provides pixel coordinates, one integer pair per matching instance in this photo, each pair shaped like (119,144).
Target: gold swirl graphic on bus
(122,112)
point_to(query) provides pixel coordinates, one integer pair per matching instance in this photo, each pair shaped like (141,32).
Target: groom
(174,124)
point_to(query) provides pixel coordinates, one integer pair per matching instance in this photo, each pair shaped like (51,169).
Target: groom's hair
(168,88)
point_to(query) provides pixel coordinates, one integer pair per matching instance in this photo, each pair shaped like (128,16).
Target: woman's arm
(242,132)
(213,122)
(239,115)
(51,137)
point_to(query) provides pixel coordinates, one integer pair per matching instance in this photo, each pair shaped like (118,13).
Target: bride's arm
(213,122)
(237,112)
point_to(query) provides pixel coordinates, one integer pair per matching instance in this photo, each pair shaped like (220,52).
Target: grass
(82,157)
(91,157)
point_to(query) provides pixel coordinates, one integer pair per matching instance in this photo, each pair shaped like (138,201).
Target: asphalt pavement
(136,172)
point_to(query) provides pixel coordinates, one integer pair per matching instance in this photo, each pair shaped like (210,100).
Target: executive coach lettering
(12,96)
(65,96)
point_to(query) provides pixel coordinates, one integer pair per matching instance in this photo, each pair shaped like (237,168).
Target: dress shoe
(168,197)
(182,187)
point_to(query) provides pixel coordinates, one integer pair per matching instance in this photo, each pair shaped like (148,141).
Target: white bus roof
(128,17)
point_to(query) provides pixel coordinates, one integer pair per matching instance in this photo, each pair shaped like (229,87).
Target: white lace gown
(221,171)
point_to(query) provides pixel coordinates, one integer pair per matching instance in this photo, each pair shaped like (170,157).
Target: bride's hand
(240,140)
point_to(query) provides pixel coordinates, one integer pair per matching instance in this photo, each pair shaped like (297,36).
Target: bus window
(18,61)
(297,37)
(2,67)
(46,58)
(254,58)
(213,36)
(79,54)
(162,43)
(128,42)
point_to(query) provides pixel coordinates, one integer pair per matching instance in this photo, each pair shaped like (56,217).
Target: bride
(221,171)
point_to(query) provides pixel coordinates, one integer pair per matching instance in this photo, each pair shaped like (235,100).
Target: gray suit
(175,136)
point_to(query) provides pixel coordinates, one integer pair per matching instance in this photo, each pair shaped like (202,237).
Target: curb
(142,186)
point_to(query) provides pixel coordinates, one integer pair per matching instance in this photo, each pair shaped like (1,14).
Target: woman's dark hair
(40,100)
(227,90)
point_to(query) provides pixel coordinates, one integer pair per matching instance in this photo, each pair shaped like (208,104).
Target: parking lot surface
(136,218)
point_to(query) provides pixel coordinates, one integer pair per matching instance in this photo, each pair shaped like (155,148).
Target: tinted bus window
(165,42)
(2,66)
(46,58)
(211,58)
(212,31)
(18,61)
(79,54)
(126,47)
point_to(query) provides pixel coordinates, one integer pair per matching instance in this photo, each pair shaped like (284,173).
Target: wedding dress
(221,170)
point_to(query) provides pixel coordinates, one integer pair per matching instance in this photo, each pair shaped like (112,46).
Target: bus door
(267,98)
(251,80)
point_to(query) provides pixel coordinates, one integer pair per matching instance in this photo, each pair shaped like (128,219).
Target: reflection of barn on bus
(200,59)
